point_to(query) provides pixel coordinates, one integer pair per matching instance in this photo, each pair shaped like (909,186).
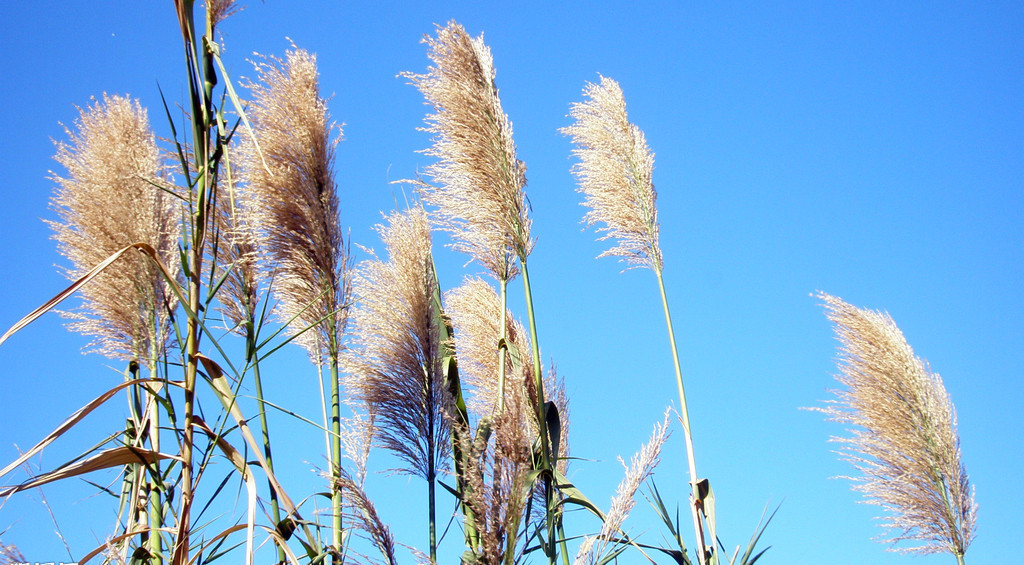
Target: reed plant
(115,171)
(394,361)
(615,174)
(288,167)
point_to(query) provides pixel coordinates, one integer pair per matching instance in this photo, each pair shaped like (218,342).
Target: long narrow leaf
(74,419)
(115,457)
(51,303)
(219,383)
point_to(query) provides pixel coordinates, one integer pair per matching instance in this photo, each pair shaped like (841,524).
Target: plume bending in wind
(394,360)
(906,445)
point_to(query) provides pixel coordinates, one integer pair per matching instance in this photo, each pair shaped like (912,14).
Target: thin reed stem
(685,417)
(337,538)
(432,516)
(545,464)
(502,345)
(251,357)
(155,495)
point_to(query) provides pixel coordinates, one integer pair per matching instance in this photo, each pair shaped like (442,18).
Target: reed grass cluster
(249,246)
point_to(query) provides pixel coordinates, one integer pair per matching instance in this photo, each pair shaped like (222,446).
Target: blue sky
(871,151)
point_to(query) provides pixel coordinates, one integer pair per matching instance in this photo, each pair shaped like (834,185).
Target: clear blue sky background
(872,151)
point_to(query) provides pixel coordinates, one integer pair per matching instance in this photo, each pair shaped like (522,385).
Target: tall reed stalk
(206,139)
(115,174)
(287,163)
(240,299)
(480,196)
(615,175)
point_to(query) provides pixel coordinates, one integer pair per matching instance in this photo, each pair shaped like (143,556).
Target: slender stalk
(545,463)
(685,417)
(538,377)
(275,509)
(181,553)
(561,542)
(336,525)
(432,516)
(155,503)
(502,345)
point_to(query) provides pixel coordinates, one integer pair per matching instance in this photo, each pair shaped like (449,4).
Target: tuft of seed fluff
(614,173)
(479,193)
(111,197)
(394,360)
(288,167)
(906,445)
(641,468)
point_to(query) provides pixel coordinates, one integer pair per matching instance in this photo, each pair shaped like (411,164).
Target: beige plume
(906,446)
(615,174)
(394,360)
(480,194)
(290,174)
(111,198)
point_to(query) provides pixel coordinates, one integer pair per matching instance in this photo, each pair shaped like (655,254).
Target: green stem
(685,417)
(561,541)
(960,559)
(336,525)
(432,515)
(201,146)
(155,494)
(502,346)
(538,376)
(250,339)
(544,465)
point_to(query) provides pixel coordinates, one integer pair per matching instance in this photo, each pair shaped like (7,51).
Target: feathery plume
(108,200)
(288,164)
(640,469)
(907,447)
(220,10)
(362,514)
(497,471)
(480,194)
(360,511)
(615,174)
(393,361)
(296,198)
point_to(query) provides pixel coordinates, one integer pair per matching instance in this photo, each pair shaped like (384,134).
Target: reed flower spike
(296,197)
(592,550)
(475,310)
(615,174)
(906,445)
(109,199)
(238,245)
(479,195)
(393,360)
